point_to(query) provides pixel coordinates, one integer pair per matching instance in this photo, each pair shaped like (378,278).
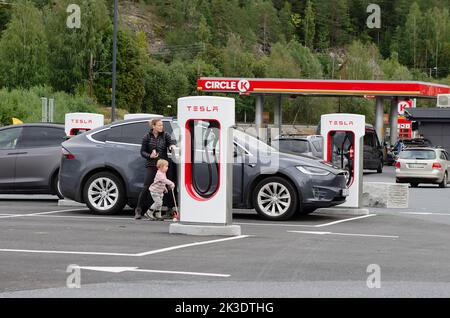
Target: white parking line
(346,220)
(167,249)
(425,213)
(39,213)
(118,270)
(273,224)
(344,234)
(191,244)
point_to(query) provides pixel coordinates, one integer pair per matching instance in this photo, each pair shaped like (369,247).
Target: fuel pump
(205,158)
(343,136)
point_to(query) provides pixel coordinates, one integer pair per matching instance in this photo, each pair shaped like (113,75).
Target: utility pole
(113,99)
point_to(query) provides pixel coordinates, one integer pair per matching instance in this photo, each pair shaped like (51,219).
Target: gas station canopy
(321,87)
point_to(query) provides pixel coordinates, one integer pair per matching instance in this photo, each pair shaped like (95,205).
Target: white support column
(259,114)
(379,119)
(277,121)
(394,120)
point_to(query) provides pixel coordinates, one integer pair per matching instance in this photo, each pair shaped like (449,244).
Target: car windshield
(418,154)
(293,145)
(252,142)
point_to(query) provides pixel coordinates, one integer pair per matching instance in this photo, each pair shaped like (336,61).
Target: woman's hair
(162,163)
(153,122)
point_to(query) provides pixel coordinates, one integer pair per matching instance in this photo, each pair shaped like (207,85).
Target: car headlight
(313,171)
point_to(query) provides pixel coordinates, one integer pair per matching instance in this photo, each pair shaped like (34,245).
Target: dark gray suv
(104,169)
(30,155)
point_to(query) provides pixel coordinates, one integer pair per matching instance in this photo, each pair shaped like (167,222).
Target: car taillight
(437,165)
(398,165)
(67,154)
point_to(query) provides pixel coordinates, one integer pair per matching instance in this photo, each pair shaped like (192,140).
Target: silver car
(423,165)
(29,158)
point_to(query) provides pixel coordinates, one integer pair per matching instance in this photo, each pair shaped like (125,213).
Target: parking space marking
(346,220)
(39,213)
(425,213)
(274,224)
(306,225)
(162,250)
(344,234)
(118,270)
(191,244)
(64,252)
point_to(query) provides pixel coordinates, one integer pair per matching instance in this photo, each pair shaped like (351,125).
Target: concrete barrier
(385,195)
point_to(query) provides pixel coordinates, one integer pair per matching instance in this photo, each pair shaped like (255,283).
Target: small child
(158,188)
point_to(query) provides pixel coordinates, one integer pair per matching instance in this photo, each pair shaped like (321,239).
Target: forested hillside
(165,45)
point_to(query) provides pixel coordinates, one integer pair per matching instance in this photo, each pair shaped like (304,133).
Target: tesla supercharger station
(76,123)
(205,166)
(343,136)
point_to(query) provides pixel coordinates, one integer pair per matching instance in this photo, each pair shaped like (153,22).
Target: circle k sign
(243,86)
(403,105)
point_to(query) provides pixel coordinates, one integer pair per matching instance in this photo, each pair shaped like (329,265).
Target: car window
(293,145)
(418,154)
(447,157)
(369,139)
(128,133)
(100,136)
(318,145)
(33,137)
(442,156)
(9,137)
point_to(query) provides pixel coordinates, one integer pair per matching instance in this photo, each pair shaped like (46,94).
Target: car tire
(444,182)
(104,193)
(56,187)
(380,167)
(283,191)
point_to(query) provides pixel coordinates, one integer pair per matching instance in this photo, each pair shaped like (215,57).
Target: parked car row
(30,156)
(374,152)
(103,168)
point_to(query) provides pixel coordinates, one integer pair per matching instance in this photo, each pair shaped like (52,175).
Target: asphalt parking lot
(319,255)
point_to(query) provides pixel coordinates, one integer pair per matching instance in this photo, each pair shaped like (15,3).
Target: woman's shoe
(137,213)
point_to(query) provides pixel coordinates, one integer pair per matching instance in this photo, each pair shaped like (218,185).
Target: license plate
(416,166)
(345,192)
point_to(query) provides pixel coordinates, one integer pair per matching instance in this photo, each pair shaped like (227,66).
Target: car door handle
(252,165)
(17,153)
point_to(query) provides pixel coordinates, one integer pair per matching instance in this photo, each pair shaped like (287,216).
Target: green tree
(74,53)
(23,48)
(309,26)
(130,72)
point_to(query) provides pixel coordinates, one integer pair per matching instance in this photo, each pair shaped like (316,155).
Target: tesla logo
(243,86)
(340,123)
(203,108)
(81,121)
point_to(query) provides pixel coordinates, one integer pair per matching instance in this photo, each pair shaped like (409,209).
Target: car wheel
(380,167)
(104,193)
(275,199)
(444,182)
(56,186)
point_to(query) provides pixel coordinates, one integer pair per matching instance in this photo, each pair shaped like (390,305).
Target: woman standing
(155,146)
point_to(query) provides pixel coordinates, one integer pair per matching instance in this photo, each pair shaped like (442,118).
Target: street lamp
(113,99)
